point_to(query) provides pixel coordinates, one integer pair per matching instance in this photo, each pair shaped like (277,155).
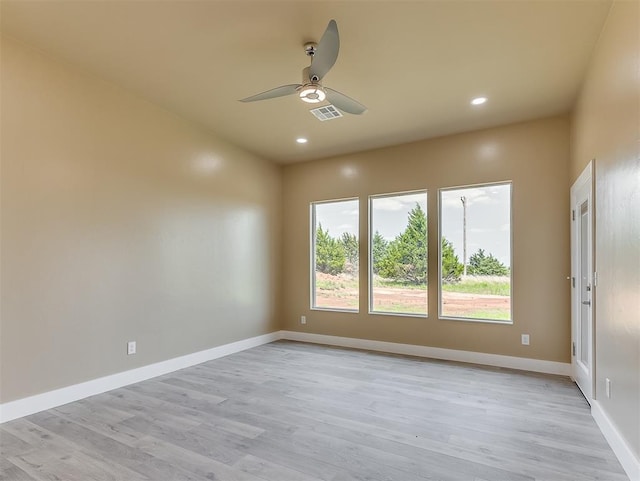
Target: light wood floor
(290,412)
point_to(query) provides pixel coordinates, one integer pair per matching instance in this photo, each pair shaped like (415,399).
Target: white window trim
(312,256)
(471,319)
(370,255)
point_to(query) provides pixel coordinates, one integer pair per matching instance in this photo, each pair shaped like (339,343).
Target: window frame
(370,234)
(511,266)
(312,257)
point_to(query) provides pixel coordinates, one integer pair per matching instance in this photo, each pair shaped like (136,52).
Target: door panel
(584,285)
(582,327)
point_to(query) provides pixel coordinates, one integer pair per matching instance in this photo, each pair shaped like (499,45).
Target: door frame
(584,181)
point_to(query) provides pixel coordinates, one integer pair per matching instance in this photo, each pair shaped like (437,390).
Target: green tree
(481,264)
(379,249)
(451,266)
(351,249)
(405,258)
(330,254)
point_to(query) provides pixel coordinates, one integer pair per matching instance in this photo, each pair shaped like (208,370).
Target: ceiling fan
(323,56)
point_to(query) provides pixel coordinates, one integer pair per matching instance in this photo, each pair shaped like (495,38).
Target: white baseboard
(525,364)
(621,449)
(42,402)
(48,400)
(51,399)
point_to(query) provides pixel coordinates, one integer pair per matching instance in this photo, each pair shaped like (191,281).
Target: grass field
(472,297)
(495,286)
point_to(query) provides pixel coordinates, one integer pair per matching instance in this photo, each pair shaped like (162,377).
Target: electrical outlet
(303,319)
(607,387)
(525,339)
(131,347)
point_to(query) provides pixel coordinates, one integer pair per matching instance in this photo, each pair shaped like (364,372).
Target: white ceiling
(415,65)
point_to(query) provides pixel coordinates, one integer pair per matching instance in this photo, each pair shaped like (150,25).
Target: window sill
(335,309)
(399,314)
(482,321)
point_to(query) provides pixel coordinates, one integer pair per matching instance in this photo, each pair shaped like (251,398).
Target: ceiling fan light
(312,94)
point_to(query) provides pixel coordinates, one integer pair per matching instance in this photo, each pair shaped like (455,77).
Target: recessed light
(478,100)
(301,140)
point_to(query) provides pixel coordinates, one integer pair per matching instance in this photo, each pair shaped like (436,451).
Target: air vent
(326,112)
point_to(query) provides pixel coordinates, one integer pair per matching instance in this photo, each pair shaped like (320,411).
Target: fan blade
(326,52)
(281,91)
(344,103)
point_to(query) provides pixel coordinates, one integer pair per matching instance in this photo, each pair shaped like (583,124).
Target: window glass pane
(475,252)
(398,250)
(335,252)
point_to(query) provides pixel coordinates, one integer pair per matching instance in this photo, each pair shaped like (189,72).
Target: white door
(582,285)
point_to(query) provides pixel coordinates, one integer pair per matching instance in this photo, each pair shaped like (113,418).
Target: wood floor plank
(11,472)
(190,461)
(118,453)
(12,445)
(291,411)
(222,449)
(271,471)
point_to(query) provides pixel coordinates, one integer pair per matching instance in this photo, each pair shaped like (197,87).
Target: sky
(488,217)
(338,217)
(390,214)
(488,220)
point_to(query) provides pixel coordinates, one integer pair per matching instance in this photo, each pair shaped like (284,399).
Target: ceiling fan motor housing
(310,91)
(307,78)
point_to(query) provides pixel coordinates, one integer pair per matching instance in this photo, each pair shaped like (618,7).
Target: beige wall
(606,126)
(534,155)
(121,222)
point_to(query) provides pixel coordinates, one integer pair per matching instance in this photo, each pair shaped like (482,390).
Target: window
(398,253)
(475,253)
(335,255)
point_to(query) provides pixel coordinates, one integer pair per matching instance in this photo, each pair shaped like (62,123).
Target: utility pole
(463,199)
